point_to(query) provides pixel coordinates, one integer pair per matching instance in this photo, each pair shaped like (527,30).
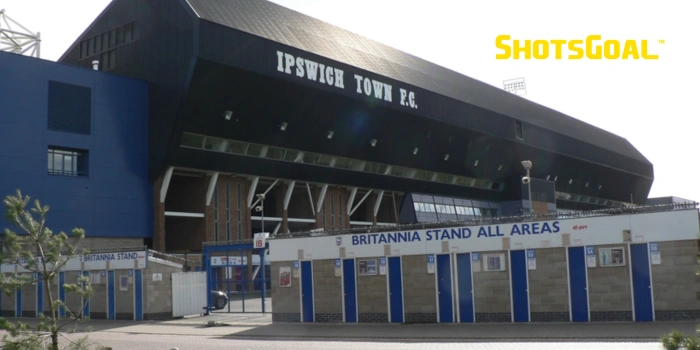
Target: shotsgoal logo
(593,48)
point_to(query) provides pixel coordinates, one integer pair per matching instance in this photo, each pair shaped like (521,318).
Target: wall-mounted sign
(367,267)
(295,272)
(382,266)
(590,257)
(229,260)
(612,256)
(338,268)
(157,277)
(285,277)
(431,264)
(494,262)
(531,260)
(655,253)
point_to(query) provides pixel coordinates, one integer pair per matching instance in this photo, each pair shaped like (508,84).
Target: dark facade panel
(248,52)
(277,23)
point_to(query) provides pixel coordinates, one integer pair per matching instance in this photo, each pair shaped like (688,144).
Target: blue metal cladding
(444,281)
(395,290)
(349,292)
(307,291)
(115,198)
(464,283)
(641,282)
(579,284)
(521,303)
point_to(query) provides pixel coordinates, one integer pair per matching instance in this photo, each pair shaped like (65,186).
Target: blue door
(464,283)
(349,291)
(138,295)
(521,300)
(62,293)
(111,297)
(578,281)
(641,282)
(307,292)
(395,290)
(86,302)
(18,302)
(444,281)
(39,296)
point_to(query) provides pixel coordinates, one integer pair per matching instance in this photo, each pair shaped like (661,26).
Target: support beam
(184,215)
(360,202)
(388,170)
(322,197)
(277,228)
(212,186)
(396,211)
(251,191)
(353,193)
(300,157)
(311,199)
(378,202)
(331,163)
(265,193)
(166,183)
(288,195)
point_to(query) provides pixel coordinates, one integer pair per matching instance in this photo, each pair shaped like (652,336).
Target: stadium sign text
(335,77)
(535,228)
(592,48)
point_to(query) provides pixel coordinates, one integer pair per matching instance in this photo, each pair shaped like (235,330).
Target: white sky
(649,103)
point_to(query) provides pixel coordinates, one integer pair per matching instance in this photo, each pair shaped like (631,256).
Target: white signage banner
(96,261)
(229,261)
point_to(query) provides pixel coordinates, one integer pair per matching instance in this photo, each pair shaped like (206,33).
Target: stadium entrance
(238,277)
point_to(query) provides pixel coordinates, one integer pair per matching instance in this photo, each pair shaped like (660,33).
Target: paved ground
(247,331)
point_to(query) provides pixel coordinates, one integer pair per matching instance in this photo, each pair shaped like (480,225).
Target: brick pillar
(209,222)
(158,217)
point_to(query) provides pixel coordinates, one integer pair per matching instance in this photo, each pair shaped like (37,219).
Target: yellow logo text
(592,48)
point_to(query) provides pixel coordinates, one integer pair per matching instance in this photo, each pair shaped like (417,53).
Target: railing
(497,220)
(223,243)
(172,258)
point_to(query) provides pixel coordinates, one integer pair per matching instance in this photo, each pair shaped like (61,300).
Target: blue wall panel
(117,185)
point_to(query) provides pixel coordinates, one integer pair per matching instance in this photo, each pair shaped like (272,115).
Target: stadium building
(210,109)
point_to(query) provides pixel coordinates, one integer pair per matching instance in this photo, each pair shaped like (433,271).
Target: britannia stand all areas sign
(586,231)
(95,261)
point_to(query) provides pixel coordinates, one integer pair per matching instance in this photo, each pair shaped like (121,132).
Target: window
(67,162)
(519,130)
(494,262)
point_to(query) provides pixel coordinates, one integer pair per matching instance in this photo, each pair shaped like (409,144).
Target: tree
(43,254)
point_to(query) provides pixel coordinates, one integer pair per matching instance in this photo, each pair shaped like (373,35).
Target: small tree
(43,254)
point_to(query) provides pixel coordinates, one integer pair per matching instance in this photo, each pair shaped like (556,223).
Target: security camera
(259,208)
(526,180)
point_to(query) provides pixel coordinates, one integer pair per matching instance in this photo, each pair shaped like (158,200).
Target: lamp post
(526,180)
(261,209)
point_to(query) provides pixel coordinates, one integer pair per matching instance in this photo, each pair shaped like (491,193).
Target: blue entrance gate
(349,290)
(444,281)
(238,278)
(464,285)
(395,290)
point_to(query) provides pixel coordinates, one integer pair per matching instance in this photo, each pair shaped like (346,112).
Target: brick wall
(492,292)
(285,301)
(220,205)
(676,286)
(548,286)
(328,305)
(419,289)
(158,217)
(609,289)
(372,296)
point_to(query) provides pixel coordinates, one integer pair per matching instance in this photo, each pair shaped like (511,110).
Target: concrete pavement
(260,327)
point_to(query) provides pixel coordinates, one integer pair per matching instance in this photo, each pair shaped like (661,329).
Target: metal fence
(498,220)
